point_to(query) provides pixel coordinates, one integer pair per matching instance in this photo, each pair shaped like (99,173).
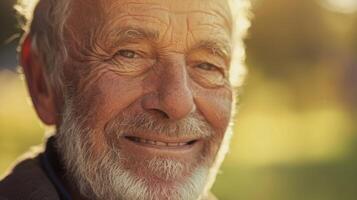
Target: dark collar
(53,168)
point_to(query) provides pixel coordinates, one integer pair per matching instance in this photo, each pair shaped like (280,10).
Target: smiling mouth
(160,144)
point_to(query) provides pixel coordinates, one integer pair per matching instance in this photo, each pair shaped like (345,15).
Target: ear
(41,93)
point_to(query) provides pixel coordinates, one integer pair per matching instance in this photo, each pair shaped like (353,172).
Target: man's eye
(127,54)
(207,67)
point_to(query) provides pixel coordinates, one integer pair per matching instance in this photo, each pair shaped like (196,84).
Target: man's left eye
(207,66)
(128,54)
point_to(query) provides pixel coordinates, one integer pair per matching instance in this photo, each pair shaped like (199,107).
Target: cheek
(101,100)
(215,105)
(107,96)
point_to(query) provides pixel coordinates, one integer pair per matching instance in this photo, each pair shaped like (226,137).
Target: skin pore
(147,98)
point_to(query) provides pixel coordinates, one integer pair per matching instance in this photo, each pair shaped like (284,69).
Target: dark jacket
(35,178)
(28,180)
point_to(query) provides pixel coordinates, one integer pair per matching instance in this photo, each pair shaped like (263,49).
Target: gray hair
(45,22)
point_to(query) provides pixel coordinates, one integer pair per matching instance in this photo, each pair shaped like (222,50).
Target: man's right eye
(127,54)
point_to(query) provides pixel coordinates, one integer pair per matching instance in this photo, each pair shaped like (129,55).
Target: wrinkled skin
(165,58)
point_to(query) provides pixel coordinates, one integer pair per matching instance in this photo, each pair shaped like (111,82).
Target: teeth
(173,144)
(158,143)
(161,143)
(151,142)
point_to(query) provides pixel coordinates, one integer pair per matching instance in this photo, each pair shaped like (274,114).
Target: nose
(174,96)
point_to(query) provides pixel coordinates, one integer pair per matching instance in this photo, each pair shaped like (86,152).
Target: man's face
(147,100)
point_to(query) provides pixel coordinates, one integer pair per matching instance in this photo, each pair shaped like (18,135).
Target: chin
(151,187)
(159,178)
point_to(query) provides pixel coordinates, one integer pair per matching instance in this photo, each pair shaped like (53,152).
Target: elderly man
(140,93)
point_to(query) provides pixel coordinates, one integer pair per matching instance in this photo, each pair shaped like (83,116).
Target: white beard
(103,177)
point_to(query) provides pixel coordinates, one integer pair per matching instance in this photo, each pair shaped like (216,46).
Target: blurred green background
(295,135)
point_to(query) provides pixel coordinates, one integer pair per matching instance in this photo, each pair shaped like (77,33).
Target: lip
(137,154)
(161,144)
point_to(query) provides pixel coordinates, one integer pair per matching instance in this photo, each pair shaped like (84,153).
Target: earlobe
(42,96)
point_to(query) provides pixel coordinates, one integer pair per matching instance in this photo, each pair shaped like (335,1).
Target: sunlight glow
(26,7)
(342,6)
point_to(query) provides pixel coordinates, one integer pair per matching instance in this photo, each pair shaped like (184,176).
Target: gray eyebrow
(218,47)
(133,32)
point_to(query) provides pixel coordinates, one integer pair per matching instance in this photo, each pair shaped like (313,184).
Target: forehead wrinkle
(217,28)
(135,10)
(140,30)
(211,11)
(146,18)
(225,13)
(188,12)
(189,32)
(154,6)
(126,17)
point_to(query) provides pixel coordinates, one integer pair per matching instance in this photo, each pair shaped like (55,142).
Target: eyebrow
(133,32)
(218,47)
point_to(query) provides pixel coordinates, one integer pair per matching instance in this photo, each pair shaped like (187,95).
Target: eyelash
(213,67)
(206,65)
(123,51)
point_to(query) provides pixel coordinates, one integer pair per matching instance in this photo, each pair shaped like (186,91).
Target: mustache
(193,125)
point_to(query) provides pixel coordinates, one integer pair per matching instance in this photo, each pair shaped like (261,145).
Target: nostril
(151,105)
